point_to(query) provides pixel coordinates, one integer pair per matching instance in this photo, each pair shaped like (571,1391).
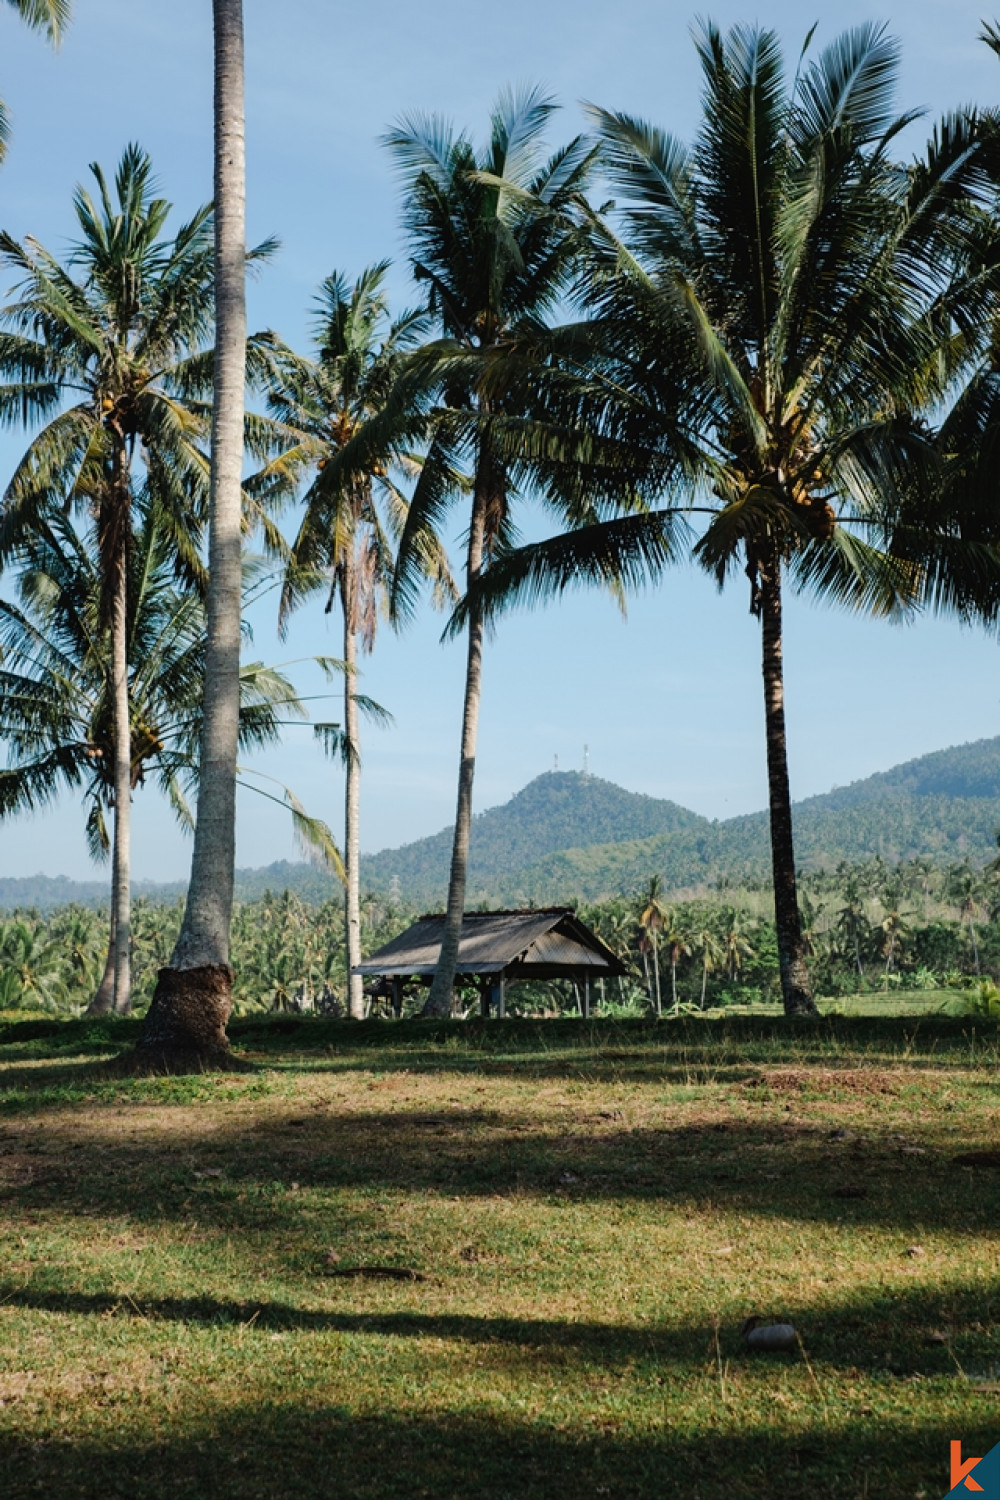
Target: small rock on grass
(769,1338)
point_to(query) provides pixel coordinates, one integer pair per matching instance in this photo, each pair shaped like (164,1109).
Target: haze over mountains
(568,835)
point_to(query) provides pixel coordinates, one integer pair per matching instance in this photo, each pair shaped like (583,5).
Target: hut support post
(485,995)
(585,1003)
(497,996)
(397,998)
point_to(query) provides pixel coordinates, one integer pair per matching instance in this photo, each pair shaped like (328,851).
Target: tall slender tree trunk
(104,997)
(645,967)
(121,879)
(186,1024)
(656,973)
(439,1001)
(673,982)
(704,983)
(352,792)
(975,945)
(795,987)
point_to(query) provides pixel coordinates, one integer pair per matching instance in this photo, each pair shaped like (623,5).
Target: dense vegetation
(871,928)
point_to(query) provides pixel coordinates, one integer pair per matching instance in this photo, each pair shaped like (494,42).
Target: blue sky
(669,700)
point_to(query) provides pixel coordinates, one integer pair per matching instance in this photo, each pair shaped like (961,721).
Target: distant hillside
(944,806)
(45,892)
(560,810)
(567,836)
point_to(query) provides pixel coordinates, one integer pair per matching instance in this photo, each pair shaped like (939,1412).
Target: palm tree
(852,919)
(895,928)
(711,951)
(354,511)
(736,945)
(960,502)
(186,1022)
(494,246)
(653,917)
(966,889)
(50,16)
(30,967)
(113,333)
(678,944)
(56,708)
(782,304)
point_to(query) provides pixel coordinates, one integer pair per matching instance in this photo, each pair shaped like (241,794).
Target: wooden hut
(497,947)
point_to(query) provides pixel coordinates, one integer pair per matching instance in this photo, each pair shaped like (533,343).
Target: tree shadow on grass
(258,1175)
(900,1332)
(283,1450)
(833,1040)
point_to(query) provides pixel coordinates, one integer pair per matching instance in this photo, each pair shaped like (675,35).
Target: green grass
(593,1209)
(891,1002)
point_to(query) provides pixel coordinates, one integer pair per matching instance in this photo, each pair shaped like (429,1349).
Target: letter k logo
(960,1471)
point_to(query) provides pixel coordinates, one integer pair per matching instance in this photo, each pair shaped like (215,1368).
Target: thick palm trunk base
(185,1030)
(796,991)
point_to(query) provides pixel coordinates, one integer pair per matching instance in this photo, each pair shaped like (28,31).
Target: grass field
(891,1002)
(588,1210)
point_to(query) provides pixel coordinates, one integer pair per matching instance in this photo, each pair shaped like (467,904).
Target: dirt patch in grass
(832,1080)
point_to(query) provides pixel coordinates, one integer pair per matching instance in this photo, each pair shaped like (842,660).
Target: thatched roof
(551,943)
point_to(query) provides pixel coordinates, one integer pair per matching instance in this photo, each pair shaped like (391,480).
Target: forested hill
(944,806)
(569,836)
(559,810)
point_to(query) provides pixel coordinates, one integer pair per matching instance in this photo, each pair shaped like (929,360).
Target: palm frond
(617,555)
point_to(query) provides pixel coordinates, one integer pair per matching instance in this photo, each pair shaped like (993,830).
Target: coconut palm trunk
(116,526)
(795,987)
(121,878)
(104,996)
(439,1001)
(186,1023)
(352,792)
(645,969)
(975,945)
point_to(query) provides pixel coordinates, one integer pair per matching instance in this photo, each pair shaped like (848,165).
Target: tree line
(773,352)
(869,928)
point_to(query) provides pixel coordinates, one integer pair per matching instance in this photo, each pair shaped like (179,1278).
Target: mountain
(560,810)
(944,806)
(569,836)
